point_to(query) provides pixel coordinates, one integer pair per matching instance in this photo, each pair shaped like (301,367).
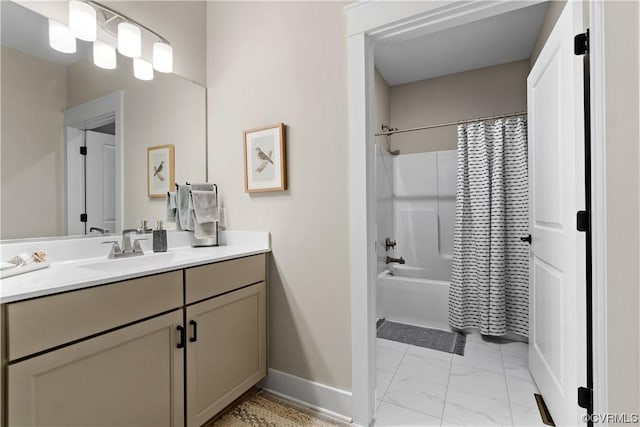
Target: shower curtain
(490,273)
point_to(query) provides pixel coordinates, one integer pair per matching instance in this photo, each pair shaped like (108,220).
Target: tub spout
(398,260)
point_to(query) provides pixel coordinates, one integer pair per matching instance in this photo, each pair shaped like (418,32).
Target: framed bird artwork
(265,166)
(160,170)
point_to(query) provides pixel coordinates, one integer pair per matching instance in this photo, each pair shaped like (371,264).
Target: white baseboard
(321,397)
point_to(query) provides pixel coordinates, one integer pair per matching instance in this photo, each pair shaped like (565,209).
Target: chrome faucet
(128,249)
(126,240)
(99,230)
(398,260)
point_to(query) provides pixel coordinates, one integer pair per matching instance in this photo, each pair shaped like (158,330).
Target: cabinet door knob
(180,330)
(194,336)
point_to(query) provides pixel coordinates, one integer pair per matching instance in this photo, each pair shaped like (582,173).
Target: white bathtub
(405,295)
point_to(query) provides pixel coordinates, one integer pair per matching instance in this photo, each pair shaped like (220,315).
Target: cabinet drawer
(46,322)
(214,279)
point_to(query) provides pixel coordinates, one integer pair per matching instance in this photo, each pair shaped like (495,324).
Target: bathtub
(412,295)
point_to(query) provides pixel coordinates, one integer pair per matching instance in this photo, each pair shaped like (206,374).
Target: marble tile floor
(489,386)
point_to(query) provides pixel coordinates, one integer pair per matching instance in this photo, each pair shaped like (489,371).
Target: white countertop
(68,271)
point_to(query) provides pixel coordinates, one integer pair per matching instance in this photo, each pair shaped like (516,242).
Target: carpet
(263,409)
(436,339)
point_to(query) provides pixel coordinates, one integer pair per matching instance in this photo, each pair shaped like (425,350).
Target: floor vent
(544,412)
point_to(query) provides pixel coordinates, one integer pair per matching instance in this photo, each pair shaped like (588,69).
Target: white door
(75,181)
(557,355)
(100,181)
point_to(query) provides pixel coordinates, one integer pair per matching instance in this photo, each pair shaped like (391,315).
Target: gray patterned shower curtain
(490,273)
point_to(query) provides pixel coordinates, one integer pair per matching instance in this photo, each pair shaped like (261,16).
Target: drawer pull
(180,330)
(194,337)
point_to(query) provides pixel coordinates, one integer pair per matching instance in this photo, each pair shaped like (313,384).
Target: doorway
(94,166)
(371,26)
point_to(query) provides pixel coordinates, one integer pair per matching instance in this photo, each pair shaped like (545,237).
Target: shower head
(387,128)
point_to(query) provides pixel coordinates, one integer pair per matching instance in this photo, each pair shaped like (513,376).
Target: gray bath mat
(447,341)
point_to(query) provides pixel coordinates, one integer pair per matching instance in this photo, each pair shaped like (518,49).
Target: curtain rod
(459,122)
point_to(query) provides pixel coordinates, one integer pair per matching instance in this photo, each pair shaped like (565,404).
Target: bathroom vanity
(172,344)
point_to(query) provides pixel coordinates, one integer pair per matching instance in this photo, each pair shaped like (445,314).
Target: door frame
(368,23)
(89,115)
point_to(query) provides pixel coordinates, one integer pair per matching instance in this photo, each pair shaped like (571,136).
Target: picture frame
(160,170)
(265,167)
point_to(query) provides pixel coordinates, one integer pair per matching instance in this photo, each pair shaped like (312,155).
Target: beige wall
(166,110)
(32,150)
(487,91)
(182,22)
(382,90)
(286,62)
(623,198)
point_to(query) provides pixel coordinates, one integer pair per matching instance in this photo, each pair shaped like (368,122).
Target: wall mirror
(54,104)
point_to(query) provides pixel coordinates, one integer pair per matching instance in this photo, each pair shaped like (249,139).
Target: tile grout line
(446,392)
(506,385)
(394,375)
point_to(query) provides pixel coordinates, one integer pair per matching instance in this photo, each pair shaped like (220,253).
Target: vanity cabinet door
(226,350)
(129,377)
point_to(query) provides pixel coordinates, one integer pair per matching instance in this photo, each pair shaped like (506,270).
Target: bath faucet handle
(115,248)
(136,245)
(388,243)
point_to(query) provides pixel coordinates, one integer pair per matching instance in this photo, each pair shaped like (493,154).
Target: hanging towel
(205,206)
(204,213)
(203,230)
(183,207)
(205,186)
(171,207)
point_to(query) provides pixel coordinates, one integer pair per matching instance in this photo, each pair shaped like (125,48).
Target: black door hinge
(585,398)
(83,217)
(83,151)
(581,43)
(583,221)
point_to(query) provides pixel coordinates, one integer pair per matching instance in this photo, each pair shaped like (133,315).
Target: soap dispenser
(159,238)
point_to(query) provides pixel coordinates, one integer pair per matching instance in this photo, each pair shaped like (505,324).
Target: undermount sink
(124,264)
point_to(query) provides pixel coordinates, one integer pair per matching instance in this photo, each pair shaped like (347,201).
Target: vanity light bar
(83,24)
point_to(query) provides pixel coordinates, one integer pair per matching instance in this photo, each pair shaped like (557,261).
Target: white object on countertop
(26,268)
(7,266)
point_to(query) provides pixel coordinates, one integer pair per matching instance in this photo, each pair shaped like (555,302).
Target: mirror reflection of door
(100,179)
(91,164)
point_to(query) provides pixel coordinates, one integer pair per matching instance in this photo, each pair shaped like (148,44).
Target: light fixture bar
(129,20)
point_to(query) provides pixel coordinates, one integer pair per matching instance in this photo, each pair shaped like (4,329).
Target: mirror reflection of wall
(39,85)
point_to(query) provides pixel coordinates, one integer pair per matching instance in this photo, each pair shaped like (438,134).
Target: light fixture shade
(61,38)
(82,20)
(163,57)
(104,55)
(129,40)
(142,69)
